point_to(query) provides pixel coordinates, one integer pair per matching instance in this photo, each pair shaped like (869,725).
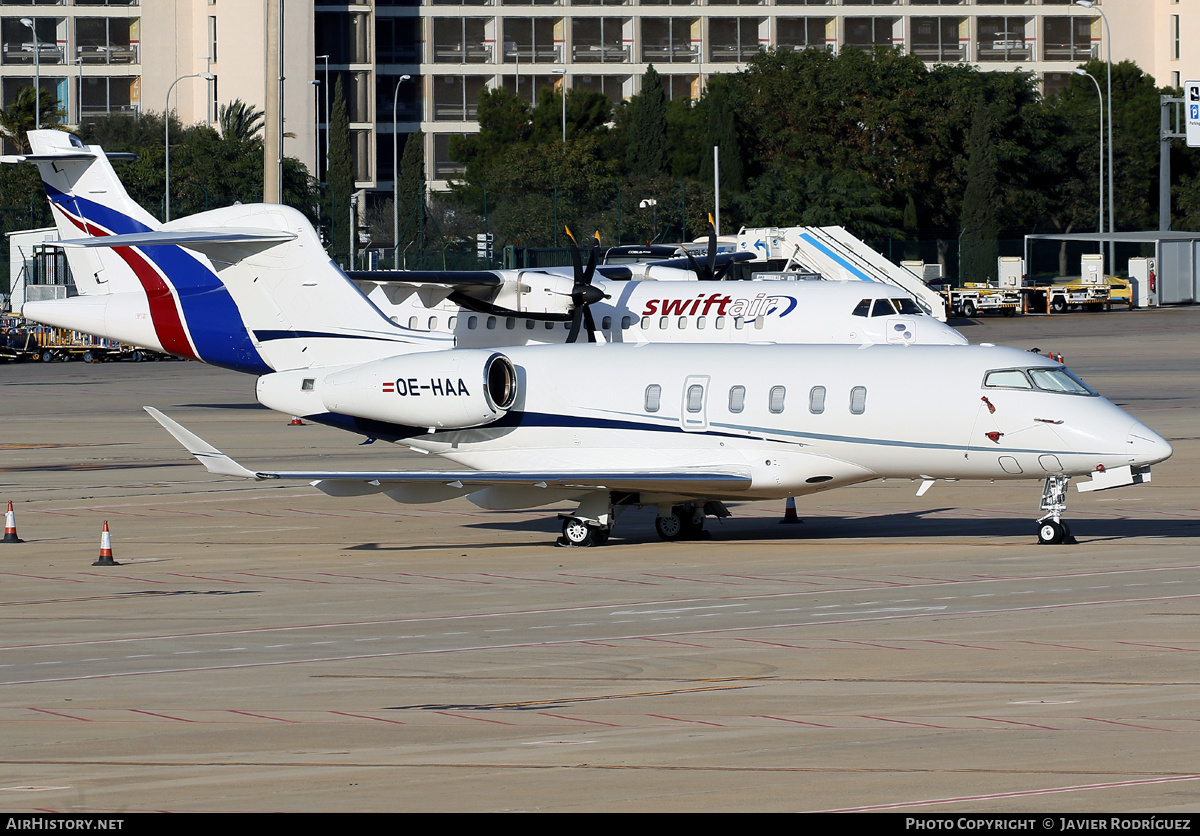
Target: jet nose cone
(1146,446)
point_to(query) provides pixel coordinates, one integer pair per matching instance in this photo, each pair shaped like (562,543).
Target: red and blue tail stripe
(193,314)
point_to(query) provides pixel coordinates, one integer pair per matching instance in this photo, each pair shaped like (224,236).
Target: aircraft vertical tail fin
(87,199)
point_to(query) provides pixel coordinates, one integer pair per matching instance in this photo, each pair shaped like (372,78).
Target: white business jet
(170,287)
(685,429)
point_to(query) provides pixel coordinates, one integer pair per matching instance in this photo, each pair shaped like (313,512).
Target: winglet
(212,458)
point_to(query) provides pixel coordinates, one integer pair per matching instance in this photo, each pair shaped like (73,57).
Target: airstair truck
(834,253)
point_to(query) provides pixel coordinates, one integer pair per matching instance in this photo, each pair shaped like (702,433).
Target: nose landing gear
(1052,530)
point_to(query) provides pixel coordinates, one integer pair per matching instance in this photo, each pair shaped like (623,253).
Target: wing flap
(683,480)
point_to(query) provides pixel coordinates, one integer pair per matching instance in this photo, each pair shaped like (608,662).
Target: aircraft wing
(684,480)
(63,156)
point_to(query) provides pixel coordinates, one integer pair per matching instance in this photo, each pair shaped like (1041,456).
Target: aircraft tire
(1051,533)
(579,534)
(670,527)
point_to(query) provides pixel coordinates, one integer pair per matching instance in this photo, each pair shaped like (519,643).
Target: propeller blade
(576,322)
(593,256)
(591,324)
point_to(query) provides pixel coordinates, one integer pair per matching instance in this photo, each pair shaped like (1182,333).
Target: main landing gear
(592,522)
(682,522)
(1052,531)
(583,533)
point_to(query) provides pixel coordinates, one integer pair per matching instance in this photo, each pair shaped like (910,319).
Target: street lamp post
(79,95)
(167,141)
(562,71)
(653,205)
(325,58)
(37,74)
(1089,4)
(1100,108)
(396,175)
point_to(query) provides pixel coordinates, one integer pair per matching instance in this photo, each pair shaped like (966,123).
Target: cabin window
(816,400)
(452,322)
(737,398)
(412,322)
(759,322)
(858,400)
(739,323)
(1007,379)
(472,322)
(663,323)
(491,323)
(775,400)
(626,323)
(653,397)
(549,326)
(433,323)
(606,323)
(645,323)
(682,322)
(719,323)
(863,308)
(510,322)
(700,323)
(695,398)
(529,324)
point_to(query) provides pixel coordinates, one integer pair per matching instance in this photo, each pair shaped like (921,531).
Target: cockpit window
(907,306)
(1047,380)
(1059,380)
(863,308)
(883,307)
(1007,379)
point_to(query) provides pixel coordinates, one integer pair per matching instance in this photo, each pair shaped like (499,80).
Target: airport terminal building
(422,65)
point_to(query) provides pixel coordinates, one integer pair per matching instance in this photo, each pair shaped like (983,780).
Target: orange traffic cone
(789,514)
(106,558)
(10,527)
(296,422)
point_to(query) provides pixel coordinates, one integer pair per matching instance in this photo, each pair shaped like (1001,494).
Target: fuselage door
(693,413)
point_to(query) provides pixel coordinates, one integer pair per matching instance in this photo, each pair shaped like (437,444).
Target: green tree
(240,121)
(411,191)
(646,152)
(19,118)
(980,218)
(341,173)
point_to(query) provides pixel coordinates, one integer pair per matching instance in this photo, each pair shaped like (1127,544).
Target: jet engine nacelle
(438,389)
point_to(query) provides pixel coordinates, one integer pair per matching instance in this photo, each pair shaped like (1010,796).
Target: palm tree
(240,121)
(18,119)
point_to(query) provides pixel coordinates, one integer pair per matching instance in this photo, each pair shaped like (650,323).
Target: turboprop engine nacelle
(449,390)
(535,292)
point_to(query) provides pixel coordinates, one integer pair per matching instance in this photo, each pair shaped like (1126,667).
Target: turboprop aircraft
(685,429)
(186,288)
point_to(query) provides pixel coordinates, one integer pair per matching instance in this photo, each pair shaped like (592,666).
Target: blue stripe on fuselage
(212,318)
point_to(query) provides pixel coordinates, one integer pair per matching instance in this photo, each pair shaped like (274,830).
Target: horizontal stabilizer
(183,237)
(65,156)
(684,480)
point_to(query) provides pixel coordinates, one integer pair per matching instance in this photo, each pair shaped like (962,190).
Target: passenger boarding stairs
(836,254)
